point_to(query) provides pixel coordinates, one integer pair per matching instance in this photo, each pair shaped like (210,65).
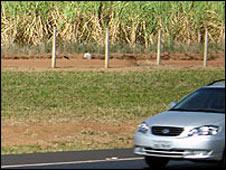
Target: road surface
(99,159)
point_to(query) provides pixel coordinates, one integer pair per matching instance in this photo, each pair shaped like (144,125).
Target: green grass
(100,96)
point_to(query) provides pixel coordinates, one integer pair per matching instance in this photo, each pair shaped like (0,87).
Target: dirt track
(71,64)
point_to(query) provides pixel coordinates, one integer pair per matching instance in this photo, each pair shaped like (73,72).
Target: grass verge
(112,98)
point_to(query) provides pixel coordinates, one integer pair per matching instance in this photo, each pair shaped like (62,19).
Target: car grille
(176,153)
(166,131)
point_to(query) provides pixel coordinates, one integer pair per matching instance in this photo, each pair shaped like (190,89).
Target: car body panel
(184,119)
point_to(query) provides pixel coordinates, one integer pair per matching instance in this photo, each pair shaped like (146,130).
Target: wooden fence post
(54,48)
(223,39)
(205,48)
(159,48)
(107,48)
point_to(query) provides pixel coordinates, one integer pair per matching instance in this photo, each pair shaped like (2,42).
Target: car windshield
(203,100)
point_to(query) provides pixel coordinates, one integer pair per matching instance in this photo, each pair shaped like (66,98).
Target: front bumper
(192,148)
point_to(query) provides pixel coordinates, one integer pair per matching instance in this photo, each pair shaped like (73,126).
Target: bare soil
(116,62)
(16,134)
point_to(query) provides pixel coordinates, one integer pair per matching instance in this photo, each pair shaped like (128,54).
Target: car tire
(222,162)
(156,163)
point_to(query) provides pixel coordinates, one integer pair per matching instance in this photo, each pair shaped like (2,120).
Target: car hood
(176,118)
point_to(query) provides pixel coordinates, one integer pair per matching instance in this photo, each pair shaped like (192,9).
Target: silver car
(192,129)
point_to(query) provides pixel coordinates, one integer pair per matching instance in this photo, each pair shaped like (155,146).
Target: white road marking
(72,162)
(112,158)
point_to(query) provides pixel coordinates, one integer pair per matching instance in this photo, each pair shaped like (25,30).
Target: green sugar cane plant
(149,24)
(132,23)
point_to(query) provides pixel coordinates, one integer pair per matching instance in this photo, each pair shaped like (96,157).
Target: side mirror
(172,104)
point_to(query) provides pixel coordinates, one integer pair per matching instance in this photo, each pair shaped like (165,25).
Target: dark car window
(203,100)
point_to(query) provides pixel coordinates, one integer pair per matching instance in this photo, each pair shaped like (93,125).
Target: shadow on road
(177,165)
(187,168)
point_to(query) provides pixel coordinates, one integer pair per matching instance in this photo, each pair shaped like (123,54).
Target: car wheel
(222,162)
(156,163)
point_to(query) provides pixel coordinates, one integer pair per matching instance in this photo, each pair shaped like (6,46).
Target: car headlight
(143,127)
(204,130)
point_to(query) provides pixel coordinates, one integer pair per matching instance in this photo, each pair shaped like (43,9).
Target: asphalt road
(100,159)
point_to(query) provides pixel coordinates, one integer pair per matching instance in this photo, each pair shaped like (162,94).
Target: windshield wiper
(198,110)
(183,110)
(208,110)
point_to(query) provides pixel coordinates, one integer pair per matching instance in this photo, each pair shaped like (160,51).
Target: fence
(160,50)
(27,28)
